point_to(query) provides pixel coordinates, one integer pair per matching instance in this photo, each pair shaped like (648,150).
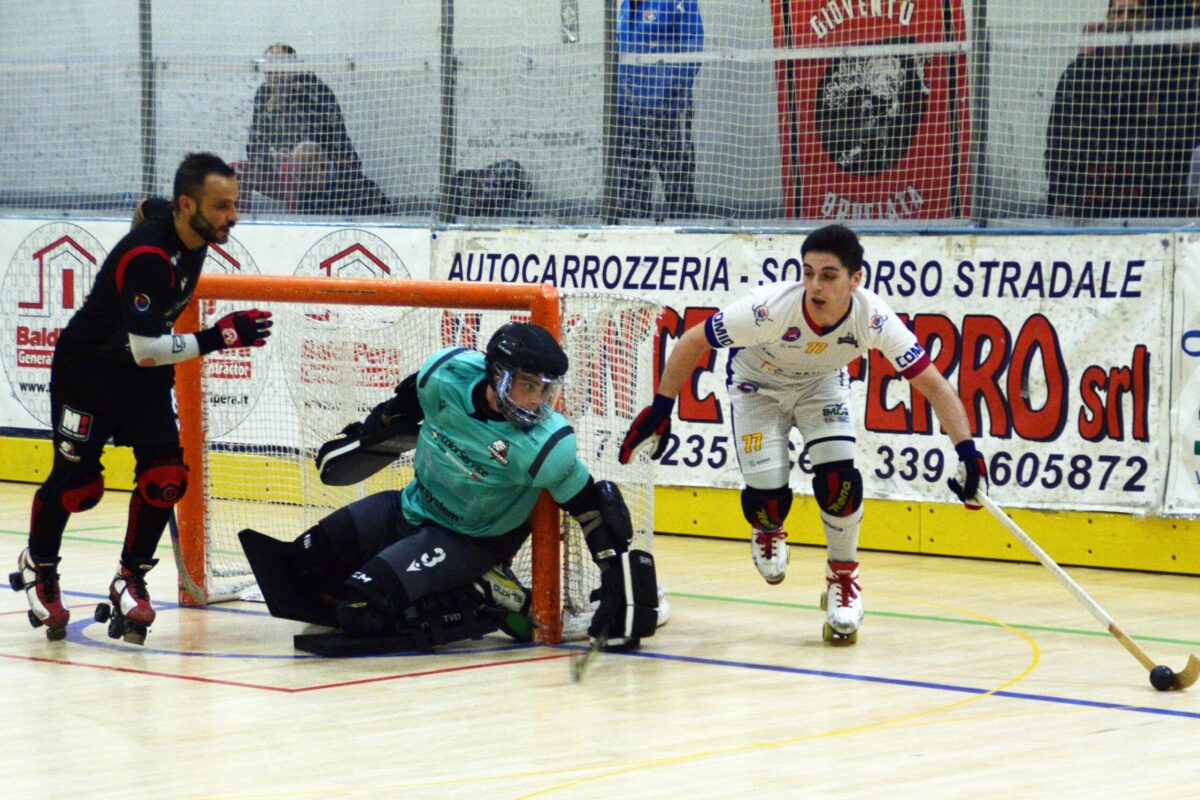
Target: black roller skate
(129,613)
(39,580)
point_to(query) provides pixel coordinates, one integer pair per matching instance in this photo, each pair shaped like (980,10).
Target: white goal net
(267,411)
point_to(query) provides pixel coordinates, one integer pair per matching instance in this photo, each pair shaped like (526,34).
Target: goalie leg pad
(281,589)
(636,612)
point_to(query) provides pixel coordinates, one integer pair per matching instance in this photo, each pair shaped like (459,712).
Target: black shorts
(90,403)
(426,558)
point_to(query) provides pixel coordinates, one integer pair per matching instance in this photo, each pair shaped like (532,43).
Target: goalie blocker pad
(352,458)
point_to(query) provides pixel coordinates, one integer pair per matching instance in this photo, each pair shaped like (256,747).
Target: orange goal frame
(542,303)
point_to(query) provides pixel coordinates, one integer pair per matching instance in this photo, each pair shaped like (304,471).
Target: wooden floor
(970,680)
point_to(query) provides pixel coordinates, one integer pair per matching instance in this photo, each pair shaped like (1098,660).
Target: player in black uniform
(113,375)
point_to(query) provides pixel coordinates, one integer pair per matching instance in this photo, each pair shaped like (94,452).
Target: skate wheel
(114,627)
(16,581)
(56,634)
(824,601)
(102,612)
(33,620)
(838,639)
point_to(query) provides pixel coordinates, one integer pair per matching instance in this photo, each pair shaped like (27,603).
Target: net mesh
(268,410)
(719,110)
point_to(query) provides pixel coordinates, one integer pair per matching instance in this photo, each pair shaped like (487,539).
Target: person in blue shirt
(489,441)
(654,106)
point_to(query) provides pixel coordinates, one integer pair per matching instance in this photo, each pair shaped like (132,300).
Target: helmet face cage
(503,378)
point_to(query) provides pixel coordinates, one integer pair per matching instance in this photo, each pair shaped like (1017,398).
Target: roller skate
(842,601)
(39,580)
(128,614)
(770,553)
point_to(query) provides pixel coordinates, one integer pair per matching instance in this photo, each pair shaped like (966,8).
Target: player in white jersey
(790,344)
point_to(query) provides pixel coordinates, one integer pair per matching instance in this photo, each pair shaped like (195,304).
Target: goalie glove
(972,475)
(650,428)
(628,596)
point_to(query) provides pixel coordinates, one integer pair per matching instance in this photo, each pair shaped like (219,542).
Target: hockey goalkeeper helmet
(525,365)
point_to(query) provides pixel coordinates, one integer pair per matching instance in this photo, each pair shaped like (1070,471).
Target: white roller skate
(842,601)
(770,553)
(39,580)
(130,613)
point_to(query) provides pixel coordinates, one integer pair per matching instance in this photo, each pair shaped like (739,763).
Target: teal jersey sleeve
(476,475)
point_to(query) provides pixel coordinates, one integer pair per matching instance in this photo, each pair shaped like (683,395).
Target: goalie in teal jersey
(488,441)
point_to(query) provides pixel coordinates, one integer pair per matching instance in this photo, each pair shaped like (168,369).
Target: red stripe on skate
(282,689)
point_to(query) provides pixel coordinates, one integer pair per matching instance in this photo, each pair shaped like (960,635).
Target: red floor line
(280,689)
(147,672)
(434,672)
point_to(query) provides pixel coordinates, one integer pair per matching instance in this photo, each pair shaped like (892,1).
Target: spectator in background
(654,106)
(322,186)
(296,115)
(1123,125)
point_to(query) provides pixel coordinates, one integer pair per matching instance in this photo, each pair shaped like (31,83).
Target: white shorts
(763,414)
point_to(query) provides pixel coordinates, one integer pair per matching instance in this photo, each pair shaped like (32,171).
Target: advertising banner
(873,109)
(47,268)
(1057,346)
(1183,486)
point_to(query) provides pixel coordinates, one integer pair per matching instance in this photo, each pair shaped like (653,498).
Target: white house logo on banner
(47,281)
(345,348)
(234,379)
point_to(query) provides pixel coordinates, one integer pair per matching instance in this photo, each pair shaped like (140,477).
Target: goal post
(252,419)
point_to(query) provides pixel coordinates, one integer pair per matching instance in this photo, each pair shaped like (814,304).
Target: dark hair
(189,178)
(838,240)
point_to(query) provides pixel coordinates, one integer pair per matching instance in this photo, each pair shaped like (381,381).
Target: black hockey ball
(1162,678)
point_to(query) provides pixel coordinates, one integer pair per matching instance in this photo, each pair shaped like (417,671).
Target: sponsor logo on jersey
(498,451)
(848,339)
(761,313)
(67,448)
(76,424)
(911,357)
(792,334)
(141,303)
(717,325)
(877,321)
(835,412)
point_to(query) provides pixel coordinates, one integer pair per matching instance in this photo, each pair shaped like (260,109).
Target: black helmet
(529,349)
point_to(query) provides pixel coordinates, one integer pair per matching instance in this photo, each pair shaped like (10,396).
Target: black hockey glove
(650,428)
(972,475)
(240,329)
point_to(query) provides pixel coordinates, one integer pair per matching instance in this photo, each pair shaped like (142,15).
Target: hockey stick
(1182,679)
(185,577)
(580,663)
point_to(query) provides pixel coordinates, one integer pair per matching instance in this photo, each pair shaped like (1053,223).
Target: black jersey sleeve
(144,279)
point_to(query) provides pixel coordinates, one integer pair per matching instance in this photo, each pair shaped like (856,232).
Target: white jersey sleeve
(891,337)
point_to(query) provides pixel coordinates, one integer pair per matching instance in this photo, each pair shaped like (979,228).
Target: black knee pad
(358,614)
(766,509)
(838,488)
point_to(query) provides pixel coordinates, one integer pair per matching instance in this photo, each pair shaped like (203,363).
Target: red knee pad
(163,483)
(81,498)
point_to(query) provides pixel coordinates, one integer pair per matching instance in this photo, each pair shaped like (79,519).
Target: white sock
(841,535)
